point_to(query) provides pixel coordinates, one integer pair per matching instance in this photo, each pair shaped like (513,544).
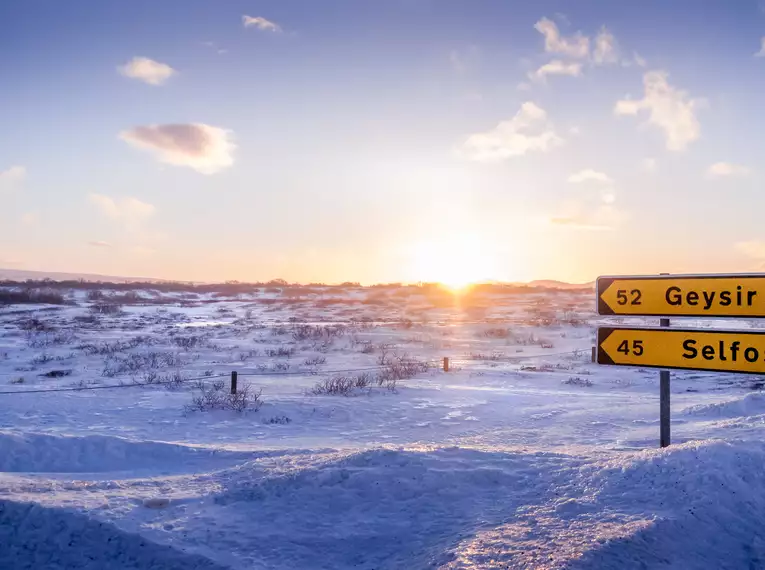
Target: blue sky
(381,141)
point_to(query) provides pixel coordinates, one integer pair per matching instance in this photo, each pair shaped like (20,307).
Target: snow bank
(42,453)
(33,537)
(750,405)
(693,506)
(383,508)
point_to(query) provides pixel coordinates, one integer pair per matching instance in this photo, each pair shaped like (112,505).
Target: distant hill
(23,275)
(552,284)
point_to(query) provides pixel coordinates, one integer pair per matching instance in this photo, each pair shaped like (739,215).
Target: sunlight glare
(455,261)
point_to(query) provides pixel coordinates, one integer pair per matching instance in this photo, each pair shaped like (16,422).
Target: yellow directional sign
(724,351)
(683,296)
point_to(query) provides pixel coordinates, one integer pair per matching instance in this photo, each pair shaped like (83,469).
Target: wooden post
(446,364)
(233,381)
(594,353)
(664,434)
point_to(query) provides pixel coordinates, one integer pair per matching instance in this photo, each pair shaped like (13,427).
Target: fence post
(446,364)
(233,381)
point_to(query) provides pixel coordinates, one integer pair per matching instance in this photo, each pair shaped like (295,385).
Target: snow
(524,455)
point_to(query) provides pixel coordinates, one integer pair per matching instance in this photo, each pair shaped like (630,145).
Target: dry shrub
(342,385)
(214,396)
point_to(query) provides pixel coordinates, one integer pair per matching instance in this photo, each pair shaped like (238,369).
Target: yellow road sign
(740,296)
(723,351)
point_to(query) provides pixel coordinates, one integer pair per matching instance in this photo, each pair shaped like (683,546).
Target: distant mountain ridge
(23,275)
(553,284)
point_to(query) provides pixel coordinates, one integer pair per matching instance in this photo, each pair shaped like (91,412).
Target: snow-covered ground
(523,455)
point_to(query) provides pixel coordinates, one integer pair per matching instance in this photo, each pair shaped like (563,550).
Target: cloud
(761,53)
(99,244)
(529,130)
(603,218)
(260,23)
(578,224)
(557,67)
(457,62)
(727,169)
(141,250)
(577,46)
(214,46)
(147,70)
(204,148)
(753,249)
(13,174)
(668,108)
(30,218)
(590,175)
(649,164)
(464,59)
(128,211)
(606,48)
(639,61)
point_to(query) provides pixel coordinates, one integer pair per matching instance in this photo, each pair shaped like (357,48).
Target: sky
(381,141)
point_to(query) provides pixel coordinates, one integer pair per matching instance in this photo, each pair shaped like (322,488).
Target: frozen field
(119,447)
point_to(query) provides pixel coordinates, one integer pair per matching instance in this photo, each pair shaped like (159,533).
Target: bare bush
(115,364)
(43,358)
(315,361)
(106,308)
(43,340)
(31,296)
(213,396)
(491,356)
(279,352)
(342,385)
(577,381)
(497,333)
(36,325)
(281,420)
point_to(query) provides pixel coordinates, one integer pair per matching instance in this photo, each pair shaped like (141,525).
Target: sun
(455,261)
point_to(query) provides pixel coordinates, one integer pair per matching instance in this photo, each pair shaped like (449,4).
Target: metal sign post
(664,437)
(665,295)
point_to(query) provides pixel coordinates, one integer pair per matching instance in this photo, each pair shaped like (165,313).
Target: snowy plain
(523,455)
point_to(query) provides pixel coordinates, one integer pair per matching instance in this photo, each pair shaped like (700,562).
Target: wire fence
(432,364)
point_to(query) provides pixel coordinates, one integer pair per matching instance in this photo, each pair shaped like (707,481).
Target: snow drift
(33,537)
(42,453)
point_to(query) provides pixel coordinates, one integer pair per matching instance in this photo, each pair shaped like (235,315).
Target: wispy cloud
(589,174)
(761,53)
(581,217)
(464,59)
(528,131)
(30,218)
(606,48)
(576,46)
(668,108)
(204,148)
(147,70)
(141,250)
(556,67)
(578,224)
(126,210)
(99,244)
(260,23)
(727,169)
(12,175)
(754,249)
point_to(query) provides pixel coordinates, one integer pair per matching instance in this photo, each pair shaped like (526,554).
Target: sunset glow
(455,261)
